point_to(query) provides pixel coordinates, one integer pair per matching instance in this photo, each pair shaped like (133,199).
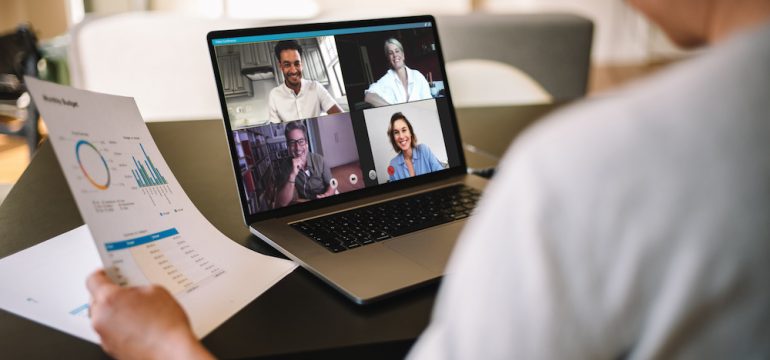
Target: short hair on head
(287,45)
(394,42)
(399,116)
(294,125)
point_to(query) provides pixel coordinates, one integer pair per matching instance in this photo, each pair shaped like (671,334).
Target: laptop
(345,148)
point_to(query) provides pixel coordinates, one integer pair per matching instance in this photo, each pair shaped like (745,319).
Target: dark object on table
(19,56)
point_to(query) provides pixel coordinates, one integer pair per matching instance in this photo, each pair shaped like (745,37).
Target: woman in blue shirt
(412,159)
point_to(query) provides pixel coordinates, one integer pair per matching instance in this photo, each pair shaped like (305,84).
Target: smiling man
(303,175)
(297,98)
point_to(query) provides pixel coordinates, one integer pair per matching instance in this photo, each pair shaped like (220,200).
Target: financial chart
(144,227)
(167,259)
(110,172)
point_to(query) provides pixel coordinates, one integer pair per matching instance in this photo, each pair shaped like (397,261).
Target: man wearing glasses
(297,98)
(303,176)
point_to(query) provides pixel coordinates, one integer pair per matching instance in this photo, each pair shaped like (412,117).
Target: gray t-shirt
(310,182)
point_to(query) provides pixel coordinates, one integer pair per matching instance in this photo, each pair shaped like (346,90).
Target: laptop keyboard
(366,225)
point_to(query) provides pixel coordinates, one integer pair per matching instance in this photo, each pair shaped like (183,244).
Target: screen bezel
(459,169)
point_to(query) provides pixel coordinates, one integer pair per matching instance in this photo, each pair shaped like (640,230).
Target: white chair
(478,82)
(160,59)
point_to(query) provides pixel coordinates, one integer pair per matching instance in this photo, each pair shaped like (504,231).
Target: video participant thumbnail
(279,81)
(406,140)
(299,161)
(390,67)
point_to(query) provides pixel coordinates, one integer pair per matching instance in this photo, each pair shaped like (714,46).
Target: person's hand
(331,190)
(296,165)
(140,322)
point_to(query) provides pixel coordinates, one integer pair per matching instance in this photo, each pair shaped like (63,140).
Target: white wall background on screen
(337,140)
(423,115)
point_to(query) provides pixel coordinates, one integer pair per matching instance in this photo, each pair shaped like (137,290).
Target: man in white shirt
(629,226)
(297,98)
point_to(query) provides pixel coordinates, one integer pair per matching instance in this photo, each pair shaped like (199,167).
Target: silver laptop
(345,148)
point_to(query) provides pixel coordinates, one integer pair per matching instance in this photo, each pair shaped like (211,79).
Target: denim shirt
(423,161)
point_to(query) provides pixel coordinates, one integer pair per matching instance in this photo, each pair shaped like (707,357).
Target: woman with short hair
(400,84)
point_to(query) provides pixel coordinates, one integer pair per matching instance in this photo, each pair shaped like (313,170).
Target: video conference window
(278,81)
(288,163)
(302,132)
(390,67)
(406,140)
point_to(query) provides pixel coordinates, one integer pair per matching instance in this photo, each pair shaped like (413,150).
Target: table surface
(300,315)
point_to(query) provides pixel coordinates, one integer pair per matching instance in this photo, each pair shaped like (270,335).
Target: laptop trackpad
(430,248)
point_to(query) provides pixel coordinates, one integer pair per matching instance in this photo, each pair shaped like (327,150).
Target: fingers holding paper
(134,322)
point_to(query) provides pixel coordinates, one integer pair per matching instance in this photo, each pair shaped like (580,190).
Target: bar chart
(145,173)
(149,179)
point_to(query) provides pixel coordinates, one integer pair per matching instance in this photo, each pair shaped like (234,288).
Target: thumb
(98,282)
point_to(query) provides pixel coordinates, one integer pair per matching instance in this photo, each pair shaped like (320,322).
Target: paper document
(145,228)
(42,285)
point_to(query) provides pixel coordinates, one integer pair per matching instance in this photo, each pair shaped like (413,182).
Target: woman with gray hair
(400,84)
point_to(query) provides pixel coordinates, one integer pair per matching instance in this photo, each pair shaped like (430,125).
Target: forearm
(183,346)
(375,99)
(286,193)
(436,165)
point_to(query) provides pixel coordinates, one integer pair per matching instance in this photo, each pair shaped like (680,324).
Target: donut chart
(93,165)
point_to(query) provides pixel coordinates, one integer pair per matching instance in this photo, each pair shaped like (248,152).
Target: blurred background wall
(622,36)
(625,45)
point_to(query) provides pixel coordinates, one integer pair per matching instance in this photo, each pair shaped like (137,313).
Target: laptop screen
(317,112)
